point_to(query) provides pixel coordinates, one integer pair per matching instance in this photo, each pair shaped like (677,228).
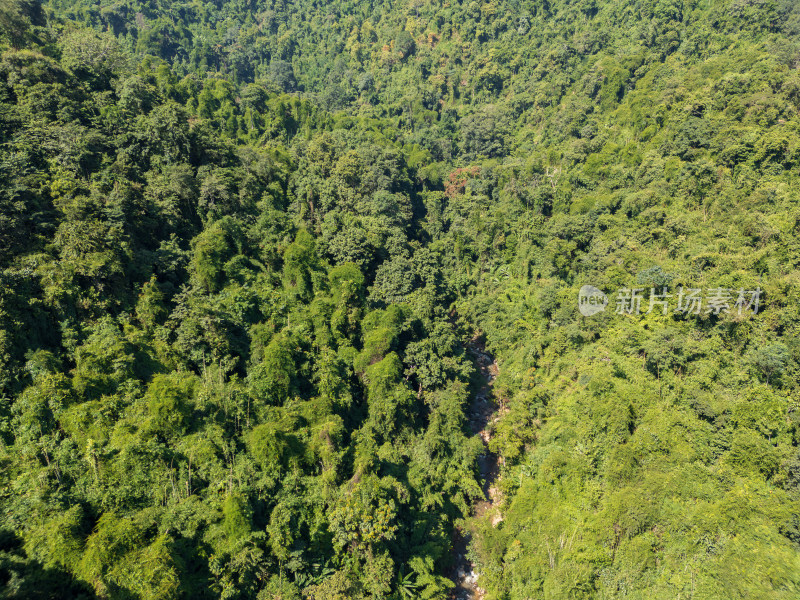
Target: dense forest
(245,248)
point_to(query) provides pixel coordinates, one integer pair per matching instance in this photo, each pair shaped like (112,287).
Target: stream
(482,411)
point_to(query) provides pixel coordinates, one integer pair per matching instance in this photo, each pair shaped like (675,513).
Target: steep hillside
(244,248)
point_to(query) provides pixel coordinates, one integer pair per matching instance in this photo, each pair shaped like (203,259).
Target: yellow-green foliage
(245,252)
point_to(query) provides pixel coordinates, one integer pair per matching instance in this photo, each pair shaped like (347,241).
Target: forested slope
(243,246)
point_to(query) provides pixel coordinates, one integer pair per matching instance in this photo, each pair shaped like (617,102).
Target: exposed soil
(482,411)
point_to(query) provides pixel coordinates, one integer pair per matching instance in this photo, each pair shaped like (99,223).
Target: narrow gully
(482,411)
